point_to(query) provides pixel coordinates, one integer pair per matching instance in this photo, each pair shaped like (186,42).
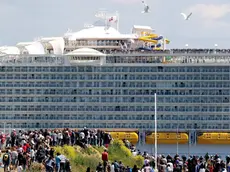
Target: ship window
(208,136)
(167,136)
(127,136)
(219,137)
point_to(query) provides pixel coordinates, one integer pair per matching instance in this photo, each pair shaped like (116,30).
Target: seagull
(185,16)
(146,8)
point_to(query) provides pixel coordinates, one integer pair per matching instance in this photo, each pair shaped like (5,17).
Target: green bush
(139,160)
(59,149)
(119,152)
(69,151)
(81,158)
(86,161)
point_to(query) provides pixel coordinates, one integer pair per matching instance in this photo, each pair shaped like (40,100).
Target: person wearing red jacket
(24,147)
(105,158)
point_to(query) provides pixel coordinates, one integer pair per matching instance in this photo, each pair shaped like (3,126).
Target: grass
(81,158)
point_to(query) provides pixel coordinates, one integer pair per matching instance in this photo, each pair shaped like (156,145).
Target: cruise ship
(100,78)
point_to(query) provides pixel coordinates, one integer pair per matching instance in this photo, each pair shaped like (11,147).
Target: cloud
(210,11)
(126,1)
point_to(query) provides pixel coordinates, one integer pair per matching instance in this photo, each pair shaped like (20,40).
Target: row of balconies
(67,124)
(136,118)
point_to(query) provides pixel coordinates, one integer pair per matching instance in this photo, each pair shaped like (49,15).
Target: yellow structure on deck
(167,138)
(132,137)
(214,138)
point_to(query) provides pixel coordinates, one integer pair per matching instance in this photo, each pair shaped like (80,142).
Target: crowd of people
(22,148)
(206,163)
(170,164)
(201,51)
(187,51)
(179,51)
(194,50)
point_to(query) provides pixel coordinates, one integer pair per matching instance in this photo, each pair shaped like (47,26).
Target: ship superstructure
(100,78)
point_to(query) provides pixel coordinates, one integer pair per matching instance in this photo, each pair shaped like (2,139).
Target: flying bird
(146,7)
(186,17)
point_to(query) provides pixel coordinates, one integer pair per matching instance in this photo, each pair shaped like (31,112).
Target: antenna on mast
(101,14)
(87,25)
(118,20)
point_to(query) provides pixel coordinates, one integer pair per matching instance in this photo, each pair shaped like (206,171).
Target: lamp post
(155,121)
(9,127)
(177,133)
(4,127)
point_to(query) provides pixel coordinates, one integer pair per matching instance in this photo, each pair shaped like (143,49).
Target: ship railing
(24,59)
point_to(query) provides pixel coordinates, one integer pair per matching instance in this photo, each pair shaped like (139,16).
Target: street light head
(186,45)
(216,45)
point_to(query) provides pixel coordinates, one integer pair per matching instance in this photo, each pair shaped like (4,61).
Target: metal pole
(164,44)
(177,138)
(118,20)
(155,131)
(189,141)
(4,129)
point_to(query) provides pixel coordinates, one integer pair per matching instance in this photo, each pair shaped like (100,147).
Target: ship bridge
(98,37)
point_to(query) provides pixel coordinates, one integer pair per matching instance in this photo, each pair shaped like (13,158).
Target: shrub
(139,160)
(58,149)
(69,151)
(99,149)
(118,151)
(86,161)
(81,158)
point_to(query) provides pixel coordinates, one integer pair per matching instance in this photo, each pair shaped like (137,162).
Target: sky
(25,20)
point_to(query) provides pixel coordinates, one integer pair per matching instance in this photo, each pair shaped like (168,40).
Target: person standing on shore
(105,158)
(6,161)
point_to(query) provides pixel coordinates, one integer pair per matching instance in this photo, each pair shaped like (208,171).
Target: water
(200,150)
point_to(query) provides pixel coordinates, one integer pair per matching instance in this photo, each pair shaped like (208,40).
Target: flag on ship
(113,19)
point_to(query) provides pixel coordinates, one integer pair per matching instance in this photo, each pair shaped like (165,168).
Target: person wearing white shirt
(112,167)
(169,167)
(60,137)
(63,161)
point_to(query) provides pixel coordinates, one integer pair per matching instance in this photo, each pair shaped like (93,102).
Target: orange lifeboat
(167,138)
(132,137)
(214,138)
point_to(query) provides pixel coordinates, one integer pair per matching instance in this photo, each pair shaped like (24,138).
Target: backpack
(5,157)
